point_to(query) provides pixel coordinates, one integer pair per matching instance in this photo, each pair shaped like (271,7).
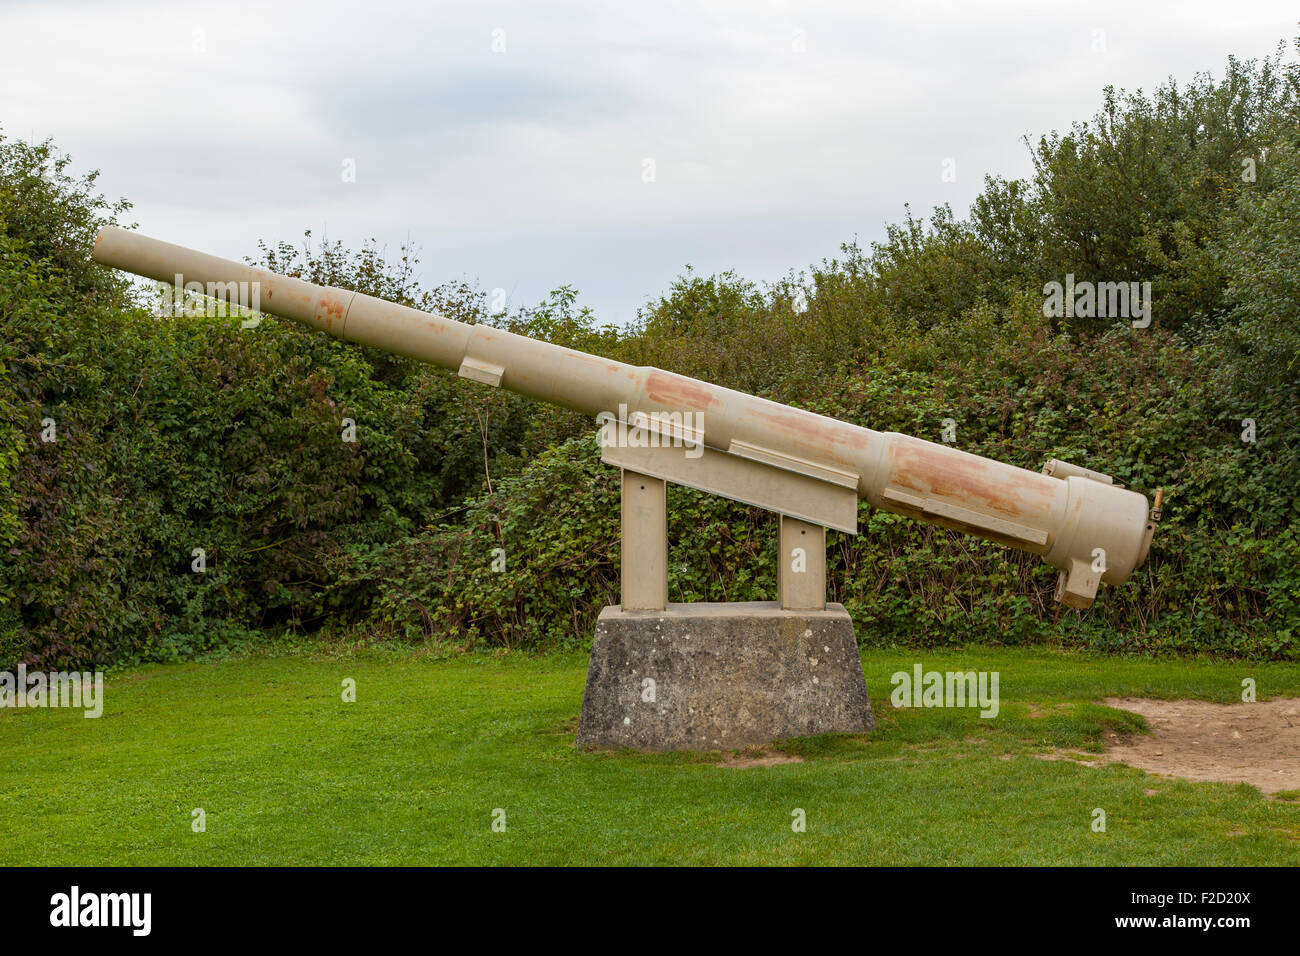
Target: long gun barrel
(1078,520)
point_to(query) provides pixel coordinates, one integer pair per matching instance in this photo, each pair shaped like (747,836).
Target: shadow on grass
(1023,727)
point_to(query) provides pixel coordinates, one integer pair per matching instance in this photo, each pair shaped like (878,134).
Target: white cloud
(225,125)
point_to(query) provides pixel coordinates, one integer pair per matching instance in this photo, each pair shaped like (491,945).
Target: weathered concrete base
(720,677)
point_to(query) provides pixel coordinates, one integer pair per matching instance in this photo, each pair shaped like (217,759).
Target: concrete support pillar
(801,567)
(645,543)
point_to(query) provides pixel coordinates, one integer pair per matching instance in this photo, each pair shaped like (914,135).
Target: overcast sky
(512,141)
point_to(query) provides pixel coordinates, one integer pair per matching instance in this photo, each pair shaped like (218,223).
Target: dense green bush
(173,433)
(1129,404)
(472,516)
(945,321)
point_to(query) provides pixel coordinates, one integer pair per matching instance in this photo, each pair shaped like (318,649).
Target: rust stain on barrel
(331,305)
(678,391)
(809,427)
(954,475)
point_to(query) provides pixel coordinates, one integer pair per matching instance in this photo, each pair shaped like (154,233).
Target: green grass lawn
(411,773)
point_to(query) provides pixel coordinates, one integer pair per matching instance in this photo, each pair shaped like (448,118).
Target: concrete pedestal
(721,677)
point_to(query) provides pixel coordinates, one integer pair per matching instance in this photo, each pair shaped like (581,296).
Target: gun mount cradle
(706,676)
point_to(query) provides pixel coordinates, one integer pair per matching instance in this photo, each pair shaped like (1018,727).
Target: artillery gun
(667,676)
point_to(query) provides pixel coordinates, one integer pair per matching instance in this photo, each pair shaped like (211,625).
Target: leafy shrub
(176,433)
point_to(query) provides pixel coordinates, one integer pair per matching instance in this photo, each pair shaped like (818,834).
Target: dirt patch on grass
(1256,743)
(1076,755)
(758,758)
(1039,711)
